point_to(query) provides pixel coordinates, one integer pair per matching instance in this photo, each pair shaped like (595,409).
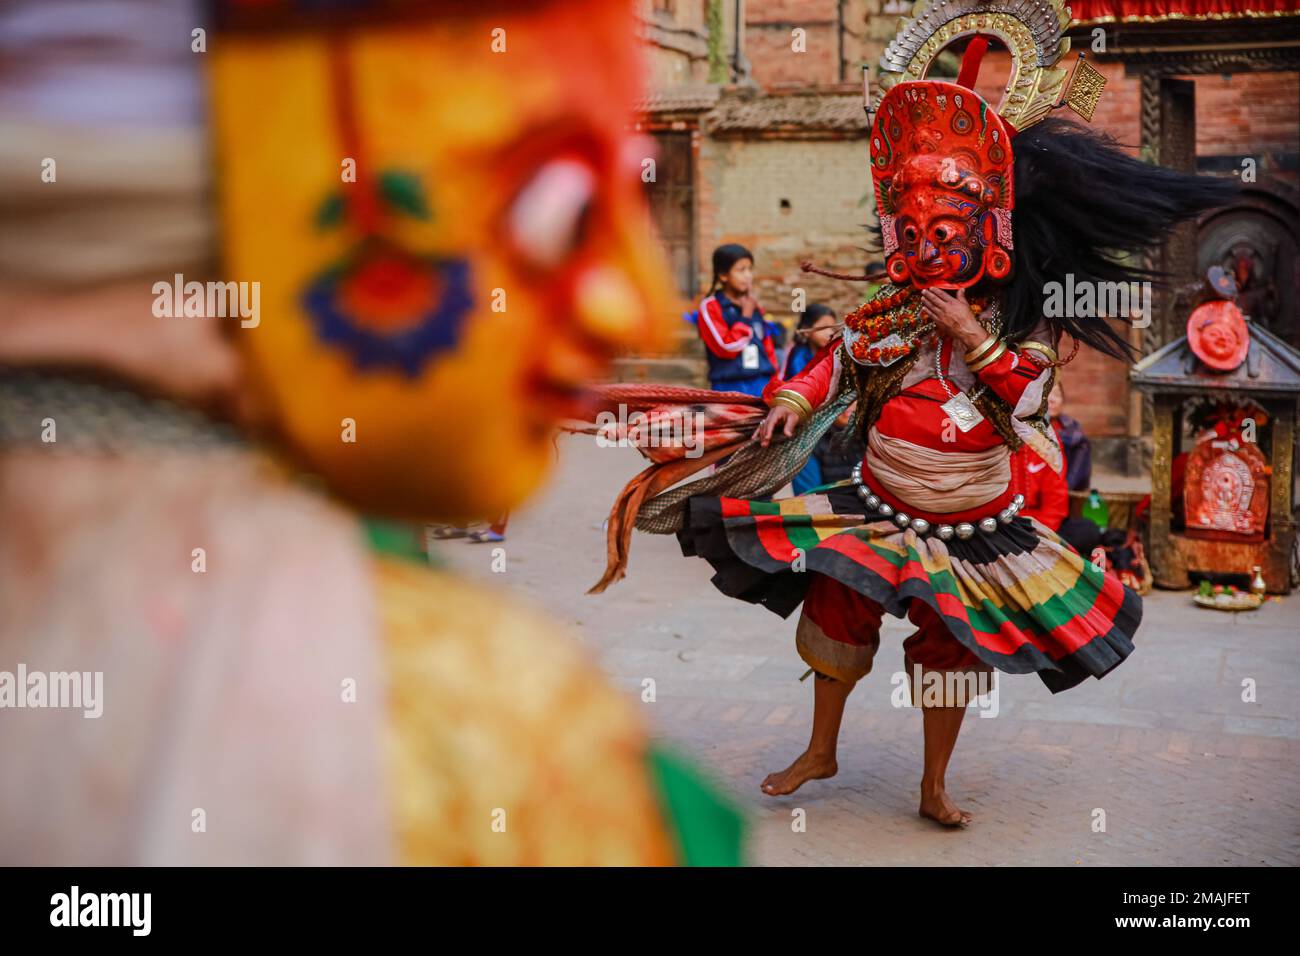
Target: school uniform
(741,351)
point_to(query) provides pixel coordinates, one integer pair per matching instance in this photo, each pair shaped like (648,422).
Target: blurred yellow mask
(443,212)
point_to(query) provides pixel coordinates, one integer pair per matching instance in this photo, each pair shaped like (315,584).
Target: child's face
(1055,402)
(740,277)
(821,333)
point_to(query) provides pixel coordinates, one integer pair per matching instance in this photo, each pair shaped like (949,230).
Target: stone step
(676,370)
(685,341)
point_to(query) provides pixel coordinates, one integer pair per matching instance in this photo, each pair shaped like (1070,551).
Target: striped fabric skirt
(1020,599)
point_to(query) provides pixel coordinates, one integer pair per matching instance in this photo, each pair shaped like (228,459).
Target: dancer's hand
(780,424)
(952,314)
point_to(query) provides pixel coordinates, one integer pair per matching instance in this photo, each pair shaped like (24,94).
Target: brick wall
(1251,114)
(1097,393)
(768,36)
(1255,114)
(775,64)
(1240,114)
(665,67)
(825,185)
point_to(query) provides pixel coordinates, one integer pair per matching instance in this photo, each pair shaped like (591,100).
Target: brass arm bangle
(989,359)
(784,402)
(794,401)
(1046,350)
(978,352)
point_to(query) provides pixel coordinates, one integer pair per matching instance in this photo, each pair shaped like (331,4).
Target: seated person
(1047,500)
(1074,443)
(816,328)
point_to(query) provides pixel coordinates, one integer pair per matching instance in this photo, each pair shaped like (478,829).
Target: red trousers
(839,633)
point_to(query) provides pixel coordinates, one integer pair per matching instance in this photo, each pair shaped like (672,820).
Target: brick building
(762,142)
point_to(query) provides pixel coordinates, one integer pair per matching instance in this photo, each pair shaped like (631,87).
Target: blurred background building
(756,108)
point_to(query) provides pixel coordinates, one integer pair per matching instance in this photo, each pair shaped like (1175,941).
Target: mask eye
(545,221)
(910,234)
(943,233)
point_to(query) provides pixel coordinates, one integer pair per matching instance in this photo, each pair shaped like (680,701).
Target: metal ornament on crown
(941,156)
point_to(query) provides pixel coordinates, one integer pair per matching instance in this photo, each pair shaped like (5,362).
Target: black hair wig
(1085,207)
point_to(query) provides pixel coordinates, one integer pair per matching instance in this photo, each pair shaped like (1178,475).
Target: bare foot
(807,766)
(936,805)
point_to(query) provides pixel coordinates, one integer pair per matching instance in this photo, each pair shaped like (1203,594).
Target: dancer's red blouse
(916,413)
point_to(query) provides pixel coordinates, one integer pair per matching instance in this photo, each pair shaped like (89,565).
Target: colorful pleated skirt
(1020,599)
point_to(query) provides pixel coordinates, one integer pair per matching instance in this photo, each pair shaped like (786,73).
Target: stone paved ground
(1184,770)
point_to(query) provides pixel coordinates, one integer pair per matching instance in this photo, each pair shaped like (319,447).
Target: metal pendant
(962,412)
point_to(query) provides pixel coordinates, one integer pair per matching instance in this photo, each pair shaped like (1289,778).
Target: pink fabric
(938,481)
(222,690)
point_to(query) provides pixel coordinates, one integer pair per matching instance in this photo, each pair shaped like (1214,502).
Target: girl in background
(739,343)
(1074,443)
(816,329)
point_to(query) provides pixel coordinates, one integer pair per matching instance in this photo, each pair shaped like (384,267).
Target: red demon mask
(941,162)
